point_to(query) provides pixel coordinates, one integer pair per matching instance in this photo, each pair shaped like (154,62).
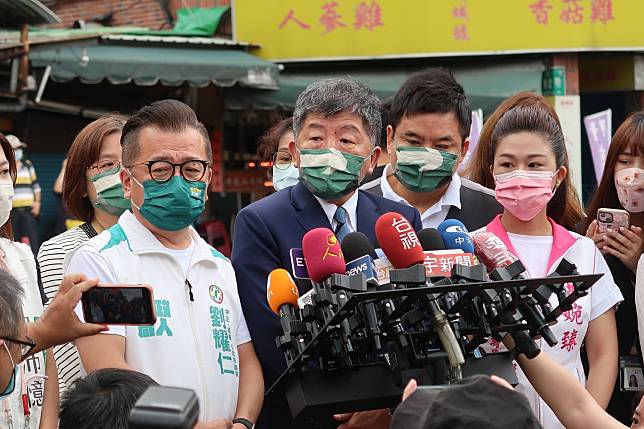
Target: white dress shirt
(351,206)
(437,213)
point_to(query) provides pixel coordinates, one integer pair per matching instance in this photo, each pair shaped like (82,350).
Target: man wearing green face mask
(200,340)
(427,139)
(337,126)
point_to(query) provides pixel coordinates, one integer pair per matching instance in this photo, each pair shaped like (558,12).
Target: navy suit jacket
(264,234)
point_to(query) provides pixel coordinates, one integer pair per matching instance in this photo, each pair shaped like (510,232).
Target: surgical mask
(630,189)
(524,193)
(422,169)
(18,154)
(285,177)
(12,381)
(109,192)
(6,197)
(171,205)
(328,173)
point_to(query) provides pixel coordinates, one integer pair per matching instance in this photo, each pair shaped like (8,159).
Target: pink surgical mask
(630,189)
(524,193)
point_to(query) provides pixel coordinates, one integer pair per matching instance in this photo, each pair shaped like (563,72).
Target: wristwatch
(245,422)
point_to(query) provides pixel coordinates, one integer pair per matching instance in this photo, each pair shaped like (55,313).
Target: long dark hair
(630,135)
(564,207)
(5,230)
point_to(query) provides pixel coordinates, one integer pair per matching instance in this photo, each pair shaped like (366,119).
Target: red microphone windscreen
(491,251)
(281,290)
(398,240)
(323,254)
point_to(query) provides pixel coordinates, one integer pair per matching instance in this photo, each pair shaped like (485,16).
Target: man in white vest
(200,340)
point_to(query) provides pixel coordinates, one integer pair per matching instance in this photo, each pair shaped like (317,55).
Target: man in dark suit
(427,139)
(337,124)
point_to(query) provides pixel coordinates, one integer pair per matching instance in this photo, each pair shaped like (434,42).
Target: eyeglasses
(161,171)
(104,165)
(282,160)
(25,346)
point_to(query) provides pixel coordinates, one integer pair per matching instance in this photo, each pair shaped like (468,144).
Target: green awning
(195,21)
(146,65)
(14,13)
(486,85)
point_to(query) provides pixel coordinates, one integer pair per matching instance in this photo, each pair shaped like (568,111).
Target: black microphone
(430,239)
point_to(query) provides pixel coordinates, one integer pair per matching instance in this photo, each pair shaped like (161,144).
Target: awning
(486,85)
(146,65)
(14,13)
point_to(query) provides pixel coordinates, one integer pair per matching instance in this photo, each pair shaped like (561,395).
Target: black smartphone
(119,305)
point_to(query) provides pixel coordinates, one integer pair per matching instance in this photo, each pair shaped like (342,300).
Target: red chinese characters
(330,18)
(460,13)
(574,315)
(572,12)
(602,10)
(540,10)
(368,16)
(569,340)
(291,18)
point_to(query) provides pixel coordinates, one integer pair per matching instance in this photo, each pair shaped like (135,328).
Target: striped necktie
(342,228)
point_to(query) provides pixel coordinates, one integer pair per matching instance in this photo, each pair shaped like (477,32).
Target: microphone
(357,249)
(430,240)
(455,235)
(495,255)
(323,254)
(281,292)
(398,240)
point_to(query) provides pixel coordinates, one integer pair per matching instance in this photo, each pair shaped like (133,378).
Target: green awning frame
(145,65)
(14,13)
(486,85)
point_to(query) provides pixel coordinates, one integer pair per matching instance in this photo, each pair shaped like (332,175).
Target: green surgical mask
(422,169)
(329,173)
(172,205)
(109,192)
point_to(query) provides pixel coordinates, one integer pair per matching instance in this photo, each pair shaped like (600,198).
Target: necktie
(342,228)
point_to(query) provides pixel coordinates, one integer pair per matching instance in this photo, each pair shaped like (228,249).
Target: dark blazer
(479,204)
(265,232)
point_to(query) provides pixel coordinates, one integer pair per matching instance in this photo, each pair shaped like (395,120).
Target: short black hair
(167,115)
(103,399)
(432,91)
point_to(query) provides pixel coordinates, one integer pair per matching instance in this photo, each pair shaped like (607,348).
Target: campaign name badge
(216,294)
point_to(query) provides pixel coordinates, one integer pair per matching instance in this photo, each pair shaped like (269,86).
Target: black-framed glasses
(25,346)
(282,160)
(104,165)
(192,170)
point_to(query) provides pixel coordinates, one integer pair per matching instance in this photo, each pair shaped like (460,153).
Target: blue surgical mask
(285,177)
(12,381)
(18,154)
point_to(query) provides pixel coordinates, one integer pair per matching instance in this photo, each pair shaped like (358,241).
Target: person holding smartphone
(530,166)
(622,188)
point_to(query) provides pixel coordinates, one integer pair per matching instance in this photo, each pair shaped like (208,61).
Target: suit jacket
(479,205)
(264,234)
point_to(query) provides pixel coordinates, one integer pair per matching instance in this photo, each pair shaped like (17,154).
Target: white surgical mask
(630,189)
(283,178)
(6,197)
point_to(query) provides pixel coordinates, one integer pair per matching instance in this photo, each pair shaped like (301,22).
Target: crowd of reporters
(139,183)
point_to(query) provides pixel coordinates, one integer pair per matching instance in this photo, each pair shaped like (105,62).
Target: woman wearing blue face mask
(274,144)
(92,192)
(30,400)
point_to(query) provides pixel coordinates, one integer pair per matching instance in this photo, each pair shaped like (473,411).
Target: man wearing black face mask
(337,125)
(427,139)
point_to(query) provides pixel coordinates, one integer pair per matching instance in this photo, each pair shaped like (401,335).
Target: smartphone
(119,305)
(612,219)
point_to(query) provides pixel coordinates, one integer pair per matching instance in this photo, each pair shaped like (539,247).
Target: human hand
(59,323)
(374,419)
(625,245)
(35,209)
(215,424)
(598,237)
(501,382)
(409,389)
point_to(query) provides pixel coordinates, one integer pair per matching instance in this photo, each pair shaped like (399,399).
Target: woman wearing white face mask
(33,402)
(530,170)
(92,192)
(622,187)
(274,145)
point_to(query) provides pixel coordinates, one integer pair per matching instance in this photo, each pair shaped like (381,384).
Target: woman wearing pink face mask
(530,170)
(622,187)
